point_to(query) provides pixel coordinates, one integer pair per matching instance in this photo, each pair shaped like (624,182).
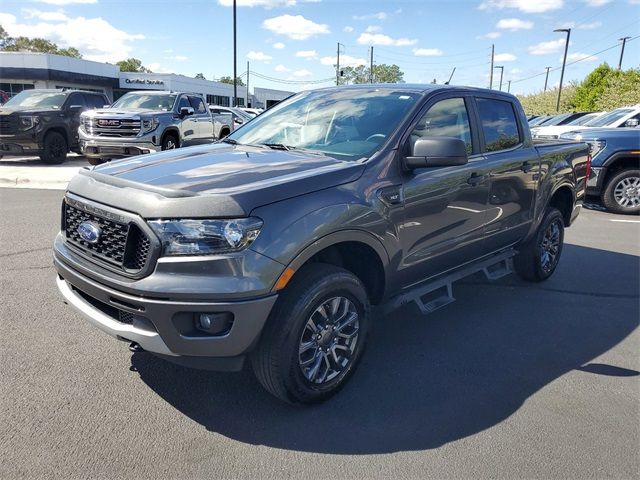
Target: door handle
(475,179)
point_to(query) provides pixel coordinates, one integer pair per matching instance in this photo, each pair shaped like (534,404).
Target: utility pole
(509,87)
(235,59)
(624,41)
(501,67)
(493,51)
(371,67)
(338,65)
(564,62)
(247,84)
(546,79)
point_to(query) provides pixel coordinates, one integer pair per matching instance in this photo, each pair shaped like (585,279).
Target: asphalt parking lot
(511,381)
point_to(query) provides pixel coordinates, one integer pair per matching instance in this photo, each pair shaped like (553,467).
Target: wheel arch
(62,131)
(173,131)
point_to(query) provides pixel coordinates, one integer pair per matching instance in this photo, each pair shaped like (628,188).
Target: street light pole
(493,51)
(235,59)
(338,64)
(501,67)
(564,62)
(509,87)
(546,79)
(624,41)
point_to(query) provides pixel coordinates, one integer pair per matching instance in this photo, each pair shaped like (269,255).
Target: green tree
(4,38)
(40,45)
(229,80)
(544,103)
(200,76)
(622,89)
(381,74)
(132,65)
(592,87)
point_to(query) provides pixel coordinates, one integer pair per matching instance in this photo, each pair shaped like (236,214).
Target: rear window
(498,124)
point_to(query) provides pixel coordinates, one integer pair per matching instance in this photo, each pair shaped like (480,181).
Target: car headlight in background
(205,237)
(149,124)
(28,122)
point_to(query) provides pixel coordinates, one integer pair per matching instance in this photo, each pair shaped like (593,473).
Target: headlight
(596,146)
(28,122)
(149,124)
(205,237)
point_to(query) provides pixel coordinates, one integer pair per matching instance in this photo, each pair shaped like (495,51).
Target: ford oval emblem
(89,232)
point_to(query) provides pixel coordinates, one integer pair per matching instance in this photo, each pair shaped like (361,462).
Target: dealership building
(24,70)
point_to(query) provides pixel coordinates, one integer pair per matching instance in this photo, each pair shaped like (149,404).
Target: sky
(293,43)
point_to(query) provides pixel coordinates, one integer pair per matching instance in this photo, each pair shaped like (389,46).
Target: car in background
(615,166)
(253,112)
(539,120)
(564,118)
(238,116)
(44,122)
(620,117)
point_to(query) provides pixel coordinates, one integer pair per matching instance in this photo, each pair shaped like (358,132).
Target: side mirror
(239,121)
(75,108)
(106,106)
(632,122)
(186,111)
(436,152)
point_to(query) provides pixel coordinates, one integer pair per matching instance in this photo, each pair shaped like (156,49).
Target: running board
(434,295)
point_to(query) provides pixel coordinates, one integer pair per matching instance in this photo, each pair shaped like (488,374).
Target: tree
(4,38)
(544,103)
(622,89)
(200,76)
(132,65)
(381,74)
(40,45)
(229,80)
(592,87)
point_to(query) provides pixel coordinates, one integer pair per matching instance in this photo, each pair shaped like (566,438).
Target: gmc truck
(146,122)
(45,123)
(273,244)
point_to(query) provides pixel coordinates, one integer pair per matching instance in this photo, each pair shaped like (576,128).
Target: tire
(538,258)
(54,149)
(223,133)
(170,142)
(622,192)
(290,350)
(95,161)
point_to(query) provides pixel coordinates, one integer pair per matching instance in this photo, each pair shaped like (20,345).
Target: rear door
(73,115)
(202,117)
(444,207)
(188,124)
(514,166)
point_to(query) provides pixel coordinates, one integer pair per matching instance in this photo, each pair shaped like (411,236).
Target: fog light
(214,323)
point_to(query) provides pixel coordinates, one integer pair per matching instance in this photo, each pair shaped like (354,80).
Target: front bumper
(19,145)
(116,147)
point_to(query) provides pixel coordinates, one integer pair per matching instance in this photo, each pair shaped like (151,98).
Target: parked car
(45,123)
(238,115)
(539,120)
(146,121)
(273,244)
(564,118)
(620,117)
(253,112)
(615,167)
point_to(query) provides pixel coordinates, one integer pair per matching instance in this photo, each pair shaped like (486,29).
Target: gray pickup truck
(146,122)
(273,244)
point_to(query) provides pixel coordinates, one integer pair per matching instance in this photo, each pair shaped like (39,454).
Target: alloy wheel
(627,192)
(550,247)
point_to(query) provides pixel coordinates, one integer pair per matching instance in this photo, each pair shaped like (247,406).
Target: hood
(213,180)
(557,129)
(122,113)
(27,110)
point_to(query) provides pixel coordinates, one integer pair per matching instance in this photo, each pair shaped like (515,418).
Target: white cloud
(385,40)
(57,16)
(345,61)
(589,26)
(308,54)
(597,3)
(427,52)
(158,68)
(296,27)
(278,45)
(347,29)
(258,3)
(258,56)
(282,68)
(514,24)
(370,16)
(96,38)
(545,48)
(515,71)
(65,2)
(526,6)
(490,35)
(180,58)
(373,29)
(302,73)
(572,57)
(504,57)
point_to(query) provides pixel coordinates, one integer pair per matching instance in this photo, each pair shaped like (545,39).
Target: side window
(446,118)
(76,99)
(184,102)
(95,101)
(498,124)
(198,104)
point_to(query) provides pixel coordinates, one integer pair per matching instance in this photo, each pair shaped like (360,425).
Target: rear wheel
(315,335)
(622,192)
(95,161)
(538,258)
(170,142)
(54,149)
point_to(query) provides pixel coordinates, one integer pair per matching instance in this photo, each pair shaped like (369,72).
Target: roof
(417,87)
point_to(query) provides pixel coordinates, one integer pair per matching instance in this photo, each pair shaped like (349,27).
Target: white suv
(620,117)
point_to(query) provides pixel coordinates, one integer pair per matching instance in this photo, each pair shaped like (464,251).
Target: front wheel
(315,335)
(54,149)
(170,142)
(538,258)
(622,193)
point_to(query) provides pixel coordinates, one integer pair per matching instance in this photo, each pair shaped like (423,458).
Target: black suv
(45,122)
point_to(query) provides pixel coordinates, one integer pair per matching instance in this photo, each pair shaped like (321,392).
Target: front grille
(7,125)
(123,246)
(118,128)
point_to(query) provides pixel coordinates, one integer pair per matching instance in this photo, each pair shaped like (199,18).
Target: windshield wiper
(230,141)
(277,146)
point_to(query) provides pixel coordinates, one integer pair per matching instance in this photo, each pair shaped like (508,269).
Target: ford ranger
(273,244)
(146,122)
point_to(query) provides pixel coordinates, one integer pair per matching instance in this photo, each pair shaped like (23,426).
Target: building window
(11,89)
(220,100)
(240,102)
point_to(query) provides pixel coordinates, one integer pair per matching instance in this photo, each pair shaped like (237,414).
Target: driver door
(72,115)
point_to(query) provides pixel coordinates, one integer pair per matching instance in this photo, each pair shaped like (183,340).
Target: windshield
(348,123)
(34,98)
(608,118)
(584,119)
(161,103)
(557,119)
(538,121)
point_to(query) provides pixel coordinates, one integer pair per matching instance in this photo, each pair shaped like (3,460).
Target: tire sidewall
(166,139)
(553,216)
(608,197)
(49,140)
